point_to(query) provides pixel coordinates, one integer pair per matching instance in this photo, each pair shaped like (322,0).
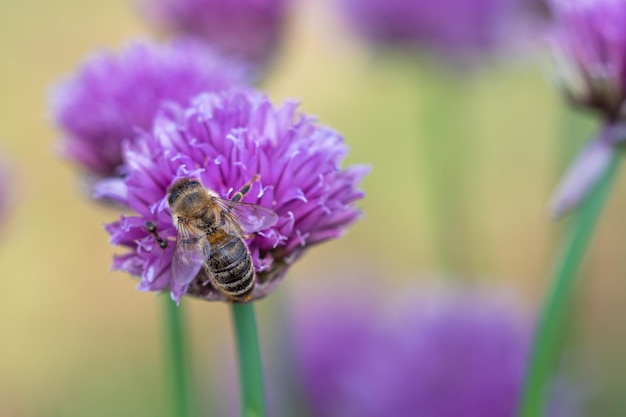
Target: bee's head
(180,188)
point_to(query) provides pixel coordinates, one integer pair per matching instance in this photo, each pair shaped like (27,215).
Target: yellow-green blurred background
(79,340)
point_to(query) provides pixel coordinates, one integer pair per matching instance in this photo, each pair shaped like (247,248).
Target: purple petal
(584,173)
(113,189)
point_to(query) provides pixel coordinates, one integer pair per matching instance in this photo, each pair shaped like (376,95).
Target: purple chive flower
(114,95)
(247,29)
(456,29)
(224,140)
(455,354)
(589,38)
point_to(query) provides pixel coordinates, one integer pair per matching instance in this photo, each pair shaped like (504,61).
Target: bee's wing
(189,255)
(241,219)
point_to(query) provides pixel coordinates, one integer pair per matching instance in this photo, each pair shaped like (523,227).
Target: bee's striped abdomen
(231,268)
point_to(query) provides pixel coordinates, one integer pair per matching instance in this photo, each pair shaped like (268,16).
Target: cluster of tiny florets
(224,141)
(113,96)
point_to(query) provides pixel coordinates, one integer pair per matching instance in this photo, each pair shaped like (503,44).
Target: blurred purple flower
(589,38)
(4,190)
(113,96)
(224,140)
(457,29)
(460,354)
(247,29)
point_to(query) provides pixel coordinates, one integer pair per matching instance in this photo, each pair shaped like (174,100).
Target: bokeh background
(77,339)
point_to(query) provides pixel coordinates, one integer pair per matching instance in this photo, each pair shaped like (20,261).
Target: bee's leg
(151,228)
(245,189)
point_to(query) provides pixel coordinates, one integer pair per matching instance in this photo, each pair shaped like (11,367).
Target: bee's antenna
(152,229)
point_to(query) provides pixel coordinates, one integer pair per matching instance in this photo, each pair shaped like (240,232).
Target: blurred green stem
(548,335)
(448,161)
(575,128)
(180,379)
(249,355)
(292,400)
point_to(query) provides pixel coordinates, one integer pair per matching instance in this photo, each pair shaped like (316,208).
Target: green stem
(447,154)
(181,381)
(549,333)
(250,371)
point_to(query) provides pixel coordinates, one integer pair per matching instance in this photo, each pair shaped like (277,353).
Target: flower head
(224,141)
(589,38)
(456,29)
(113,95)
(247,29)
(455,354)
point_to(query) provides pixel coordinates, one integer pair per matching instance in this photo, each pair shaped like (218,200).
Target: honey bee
(210,234)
